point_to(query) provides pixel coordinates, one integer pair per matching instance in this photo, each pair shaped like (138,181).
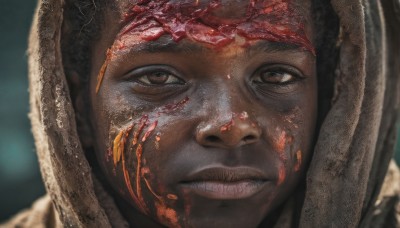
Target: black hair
(83,20)
(326,27)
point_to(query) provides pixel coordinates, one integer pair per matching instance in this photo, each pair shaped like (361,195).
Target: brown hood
(352,154)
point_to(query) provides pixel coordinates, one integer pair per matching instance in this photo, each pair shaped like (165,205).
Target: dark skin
(189,135)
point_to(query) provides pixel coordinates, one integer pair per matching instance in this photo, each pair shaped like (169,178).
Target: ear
(80,102)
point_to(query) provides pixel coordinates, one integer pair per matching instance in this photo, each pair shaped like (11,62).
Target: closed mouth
(225,183)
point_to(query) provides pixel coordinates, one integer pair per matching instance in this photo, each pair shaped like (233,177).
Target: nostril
(213,139)
(249,138)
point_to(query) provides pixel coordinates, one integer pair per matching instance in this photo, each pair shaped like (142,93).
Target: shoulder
(387,208)
(42,214)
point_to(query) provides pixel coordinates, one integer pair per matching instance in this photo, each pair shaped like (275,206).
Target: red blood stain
(163,211)
(130,189)
(119,143)
(119,154)
(228,126)
(166,214)
(273,20)
(148,185)
(281,142)
(145,170)
(174,107)
(117,150)
(242,116)
(298,161)
(280,146)
(139,152)
(281,174)
(103,69)
(149,131)
(143,122)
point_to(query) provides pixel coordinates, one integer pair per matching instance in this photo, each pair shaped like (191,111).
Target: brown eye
(159,78)
(275,77)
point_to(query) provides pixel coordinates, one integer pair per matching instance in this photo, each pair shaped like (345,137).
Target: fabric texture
(345,181)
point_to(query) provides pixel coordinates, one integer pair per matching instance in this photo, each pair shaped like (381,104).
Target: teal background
(20,181)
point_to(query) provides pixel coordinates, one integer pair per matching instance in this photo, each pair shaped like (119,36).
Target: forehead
(301,5)
(218,22)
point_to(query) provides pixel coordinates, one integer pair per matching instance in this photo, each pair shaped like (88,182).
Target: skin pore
(204,124)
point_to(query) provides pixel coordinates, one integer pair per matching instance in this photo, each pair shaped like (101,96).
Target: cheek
(135,156)
(291,140)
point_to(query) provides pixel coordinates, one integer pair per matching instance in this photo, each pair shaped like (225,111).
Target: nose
(231,133)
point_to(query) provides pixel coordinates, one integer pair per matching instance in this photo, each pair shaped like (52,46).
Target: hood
(352,153)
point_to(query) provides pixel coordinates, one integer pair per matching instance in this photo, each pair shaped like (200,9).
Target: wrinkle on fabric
(350,182)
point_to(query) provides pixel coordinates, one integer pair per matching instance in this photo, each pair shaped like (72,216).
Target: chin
(246,219)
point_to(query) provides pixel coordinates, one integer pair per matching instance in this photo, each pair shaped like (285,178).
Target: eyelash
(281,70)
(138,74)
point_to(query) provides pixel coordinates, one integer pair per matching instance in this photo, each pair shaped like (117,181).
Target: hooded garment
(345,183)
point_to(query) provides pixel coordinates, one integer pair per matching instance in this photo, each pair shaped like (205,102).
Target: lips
(225,183)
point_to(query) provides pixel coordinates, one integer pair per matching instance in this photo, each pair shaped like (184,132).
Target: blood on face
(272,20)
(130,141)
(202,22)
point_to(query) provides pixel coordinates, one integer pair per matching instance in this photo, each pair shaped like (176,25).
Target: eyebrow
(167,45)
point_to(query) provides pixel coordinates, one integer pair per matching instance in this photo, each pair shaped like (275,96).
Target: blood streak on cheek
(146,171)
(119,150)
(281,174)
(298,161)
(174,107)
(103,68)
(281,144)
(149,131)
(119,155)
(282,141)
(137,133)
(142,172)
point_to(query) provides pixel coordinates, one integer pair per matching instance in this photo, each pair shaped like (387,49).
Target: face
(204,111)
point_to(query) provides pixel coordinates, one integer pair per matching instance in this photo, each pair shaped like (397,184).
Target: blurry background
(20,181)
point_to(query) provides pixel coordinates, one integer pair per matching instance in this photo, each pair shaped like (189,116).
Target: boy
(204,113)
